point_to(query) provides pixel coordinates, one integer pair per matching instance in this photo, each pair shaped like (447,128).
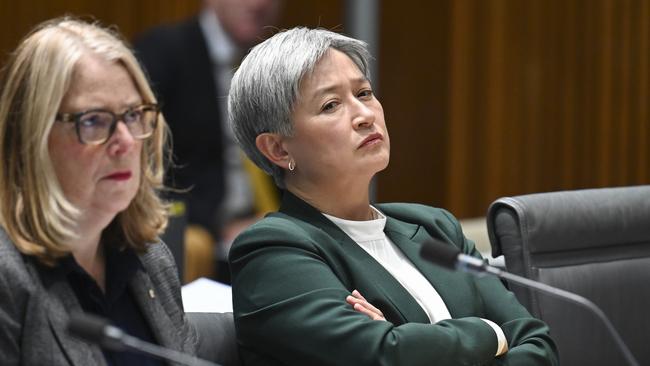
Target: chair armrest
(217,338)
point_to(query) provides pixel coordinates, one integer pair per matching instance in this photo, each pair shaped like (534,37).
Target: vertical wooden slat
(457,153)
(625,21)
(643,81)
(570,50)
(606,92)
(495,94)
(534,98)
(414,77)
(588,25)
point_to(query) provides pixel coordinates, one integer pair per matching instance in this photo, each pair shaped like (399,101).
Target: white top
(370,236)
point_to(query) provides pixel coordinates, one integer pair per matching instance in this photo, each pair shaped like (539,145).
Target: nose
(363,115)
(121,141)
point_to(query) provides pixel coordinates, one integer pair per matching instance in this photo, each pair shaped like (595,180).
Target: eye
(365,94)
(133,116)
(329,106)
(95,120)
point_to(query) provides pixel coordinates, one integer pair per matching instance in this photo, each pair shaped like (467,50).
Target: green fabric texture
(292,271)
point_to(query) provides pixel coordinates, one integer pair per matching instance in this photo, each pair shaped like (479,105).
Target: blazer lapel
(59,302)
(157,318)
(409,239)
(391,290)
(385,283)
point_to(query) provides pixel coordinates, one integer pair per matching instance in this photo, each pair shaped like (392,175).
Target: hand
(360,304)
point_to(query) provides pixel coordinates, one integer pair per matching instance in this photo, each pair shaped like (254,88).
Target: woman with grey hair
(302,108)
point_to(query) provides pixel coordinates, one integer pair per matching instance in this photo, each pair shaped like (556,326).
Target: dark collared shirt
(117,305)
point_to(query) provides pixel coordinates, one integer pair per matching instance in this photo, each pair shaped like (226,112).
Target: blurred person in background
(82,144)
(190,65)
(302,107)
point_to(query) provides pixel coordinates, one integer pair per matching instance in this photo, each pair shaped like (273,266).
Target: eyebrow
(333,87)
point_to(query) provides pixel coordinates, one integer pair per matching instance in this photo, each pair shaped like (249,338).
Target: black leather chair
(217,340)
(595,243)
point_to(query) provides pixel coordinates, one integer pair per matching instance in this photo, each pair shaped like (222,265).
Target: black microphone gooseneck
(99,331)
(450,257)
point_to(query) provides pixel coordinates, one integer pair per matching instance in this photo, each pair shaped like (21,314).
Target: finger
(372,307)
(365,302)
(371,314)
(358,295)
(360,303)
(352,300)
(362,307)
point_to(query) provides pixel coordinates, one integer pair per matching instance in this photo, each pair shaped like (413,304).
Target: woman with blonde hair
(82,144)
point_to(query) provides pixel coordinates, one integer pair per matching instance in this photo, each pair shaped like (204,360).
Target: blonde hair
(33,209)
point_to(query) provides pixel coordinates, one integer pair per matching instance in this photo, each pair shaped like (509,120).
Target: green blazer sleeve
(293,270)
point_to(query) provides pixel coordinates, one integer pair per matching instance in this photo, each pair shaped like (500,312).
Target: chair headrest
(567,220)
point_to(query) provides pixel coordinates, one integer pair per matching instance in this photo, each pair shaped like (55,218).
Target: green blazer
(292,271)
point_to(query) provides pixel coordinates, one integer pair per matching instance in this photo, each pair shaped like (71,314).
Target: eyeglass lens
(97,126)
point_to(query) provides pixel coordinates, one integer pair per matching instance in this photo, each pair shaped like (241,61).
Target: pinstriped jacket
(35,304)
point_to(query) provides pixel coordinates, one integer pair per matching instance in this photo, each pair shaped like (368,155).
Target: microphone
(99,331)
(449,256)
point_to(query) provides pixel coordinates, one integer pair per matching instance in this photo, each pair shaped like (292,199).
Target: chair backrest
(217,338)
(595,243)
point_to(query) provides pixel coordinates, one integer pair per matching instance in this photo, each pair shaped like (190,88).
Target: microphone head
(442,254)
(96,330)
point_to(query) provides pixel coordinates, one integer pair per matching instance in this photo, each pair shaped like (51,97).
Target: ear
(271,146)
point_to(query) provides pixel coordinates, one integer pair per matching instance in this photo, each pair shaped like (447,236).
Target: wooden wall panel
(130,16)
(538,95)
(413,66)
(134,16)
(482,98)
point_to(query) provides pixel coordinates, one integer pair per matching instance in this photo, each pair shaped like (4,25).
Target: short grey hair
(266,86)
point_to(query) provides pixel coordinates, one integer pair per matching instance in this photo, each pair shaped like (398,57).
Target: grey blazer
(35,303)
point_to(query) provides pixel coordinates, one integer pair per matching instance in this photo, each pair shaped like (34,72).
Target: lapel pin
(152,294)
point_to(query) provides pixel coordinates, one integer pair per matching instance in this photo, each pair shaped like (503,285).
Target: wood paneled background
(483,98)
(486,98)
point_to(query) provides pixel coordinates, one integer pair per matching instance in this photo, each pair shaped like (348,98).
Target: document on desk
(206,296)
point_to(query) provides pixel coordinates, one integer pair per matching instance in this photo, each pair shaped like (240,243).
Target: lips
(371,139)
(124,175)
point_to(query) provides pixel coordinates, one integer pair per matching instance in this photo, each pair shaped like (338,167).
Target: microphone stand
(136,345)
(97,330)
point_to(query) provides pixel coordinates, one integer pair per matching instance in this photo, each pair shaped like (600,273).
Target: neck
(87,248)
(346,201)
(89,255)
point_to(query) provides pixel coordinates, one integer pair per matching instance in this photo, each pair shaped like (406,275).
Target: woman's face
(98,179)
(339,128)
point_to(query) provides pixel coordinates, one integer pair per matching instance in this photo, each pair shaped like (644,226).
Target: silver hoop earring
(292,165)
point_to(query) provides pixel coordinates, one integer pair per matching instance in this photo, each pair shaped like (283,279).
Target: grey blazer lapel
(59,304)
(149,302)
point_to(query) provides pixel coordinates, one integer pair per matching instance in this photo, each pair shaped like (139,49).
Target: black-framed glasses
(96,126)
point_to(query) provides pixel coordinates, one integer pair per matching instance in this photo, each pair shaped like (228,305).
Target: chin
(120,204)
(382,163)
(116,208)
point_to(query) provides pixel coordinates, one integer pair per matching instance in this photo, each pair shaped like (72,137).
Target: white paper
(207,296)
